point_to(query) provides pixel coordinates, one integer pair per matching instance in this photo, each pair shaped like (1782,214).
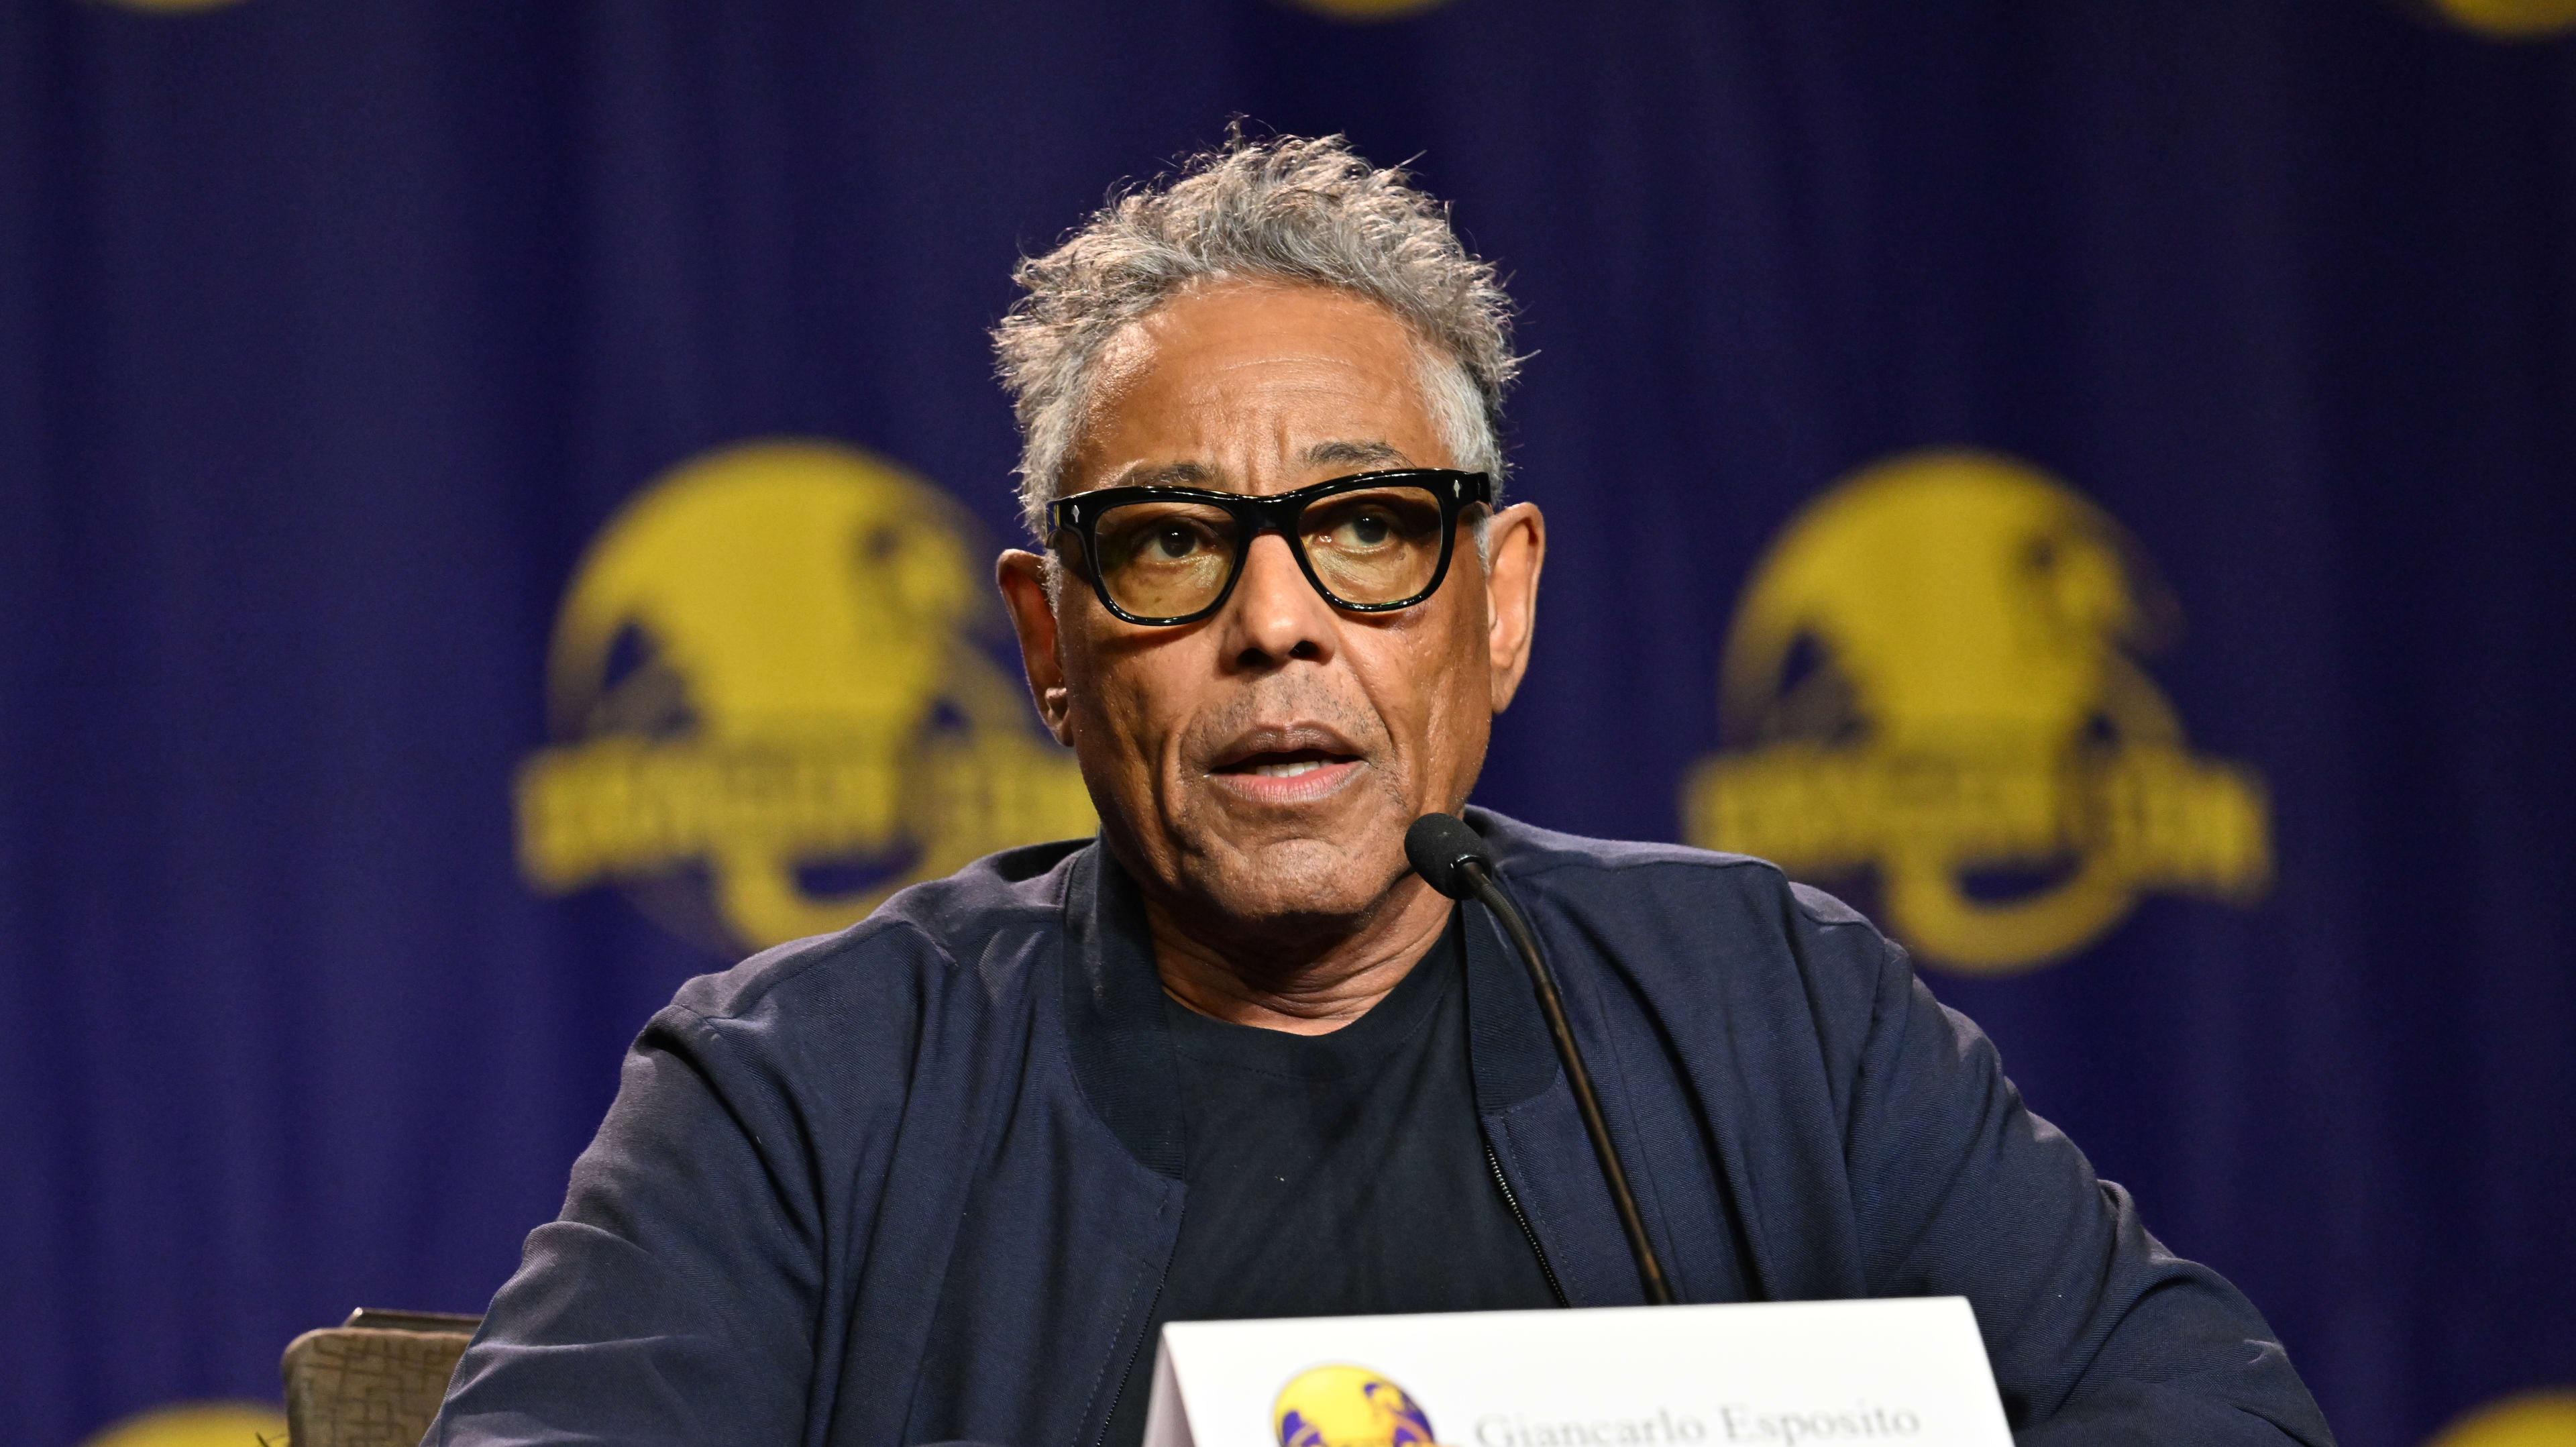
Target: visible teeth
(1287,771)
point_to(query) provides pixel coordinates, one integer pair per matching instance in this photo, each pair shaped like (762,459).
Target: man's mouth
(1286,775)
(1285,766)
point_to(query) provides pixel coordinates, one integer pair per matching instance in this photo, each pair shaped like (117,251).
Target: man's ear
(1515,550)
(1023,580)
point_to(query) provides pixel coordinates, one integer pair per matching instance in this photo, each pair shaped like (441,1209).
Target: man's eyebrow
(1167,474)
(1359,454)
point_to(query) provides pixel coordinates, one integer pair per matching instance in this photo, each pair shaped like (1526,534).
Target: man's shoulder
(985,924)
(1579,871)
(1721,947)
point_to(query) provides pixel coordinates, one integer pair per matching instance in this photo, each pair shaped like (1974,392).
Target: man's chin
(1293,883)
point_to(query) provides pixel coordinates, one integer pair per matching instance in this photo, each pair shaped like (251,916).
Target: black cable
(1489,893)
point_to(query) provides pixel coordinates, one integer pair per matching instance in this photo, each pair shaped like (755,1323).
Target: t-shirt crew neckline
(1361,1045)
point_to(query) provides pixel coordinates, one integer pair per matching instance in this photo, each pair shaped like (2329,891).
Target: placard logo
(1930,678)
(772,705)
(1347,1406)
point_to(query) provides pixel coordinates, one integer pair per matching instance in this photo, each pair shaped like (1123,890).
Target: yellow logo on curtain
(2510,19)
(772,707)
(1368,10)
(2533,1419)
(195,1424)
(1930,678)
(174,7)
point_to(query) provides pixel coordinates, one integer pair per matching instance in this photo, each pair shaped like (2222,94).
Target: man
(945,1174)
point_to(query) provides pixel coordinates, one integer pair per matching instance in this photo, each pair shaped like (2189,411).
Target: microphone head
(1437,845)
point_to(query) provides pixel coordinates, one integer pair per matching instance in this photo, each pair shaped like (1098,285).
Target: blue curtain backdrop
(334,335)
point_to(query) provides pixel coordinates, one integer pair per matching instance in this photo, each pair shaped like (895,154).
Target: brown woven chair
(375,1380)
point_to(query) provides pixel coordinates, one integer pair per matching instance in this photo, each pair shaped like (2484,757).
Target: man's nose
(1275,614)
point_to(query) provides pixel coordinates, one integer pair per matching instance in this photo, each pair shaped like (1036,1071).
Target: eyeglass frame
(1081,512)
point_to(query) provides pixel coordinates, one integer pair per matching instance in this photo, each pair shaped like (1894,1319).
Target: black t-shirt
(1337,1175)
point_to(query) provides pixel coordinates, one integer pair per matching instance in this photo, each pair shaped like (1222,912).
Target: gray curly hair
(1286,207)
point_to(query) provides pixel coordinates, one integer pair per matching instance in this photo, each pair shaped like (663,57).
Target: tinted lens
(1165,559)
(1377,545)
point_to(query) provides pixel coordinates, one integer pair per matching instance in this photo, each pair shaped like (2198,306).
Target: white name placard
(1903,1373)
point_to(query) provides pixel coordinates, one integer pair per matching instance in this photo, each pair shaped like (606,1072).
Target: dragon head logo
(1931,677)
(772,707)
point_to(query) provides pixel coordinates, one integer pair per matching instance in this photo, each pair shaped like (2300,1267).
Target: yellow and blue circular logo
(1348,1406)
(773,707)
(1932,679)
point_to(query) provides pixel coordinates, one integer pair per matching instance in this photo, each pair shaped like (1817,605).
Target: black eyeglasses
(1373,542)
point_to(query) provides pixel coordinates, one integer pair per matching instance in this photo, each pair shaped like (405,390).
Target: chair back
(373,1381)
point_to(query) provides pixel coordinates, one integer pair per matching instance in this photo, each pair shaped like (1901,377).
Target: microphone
(1451,858)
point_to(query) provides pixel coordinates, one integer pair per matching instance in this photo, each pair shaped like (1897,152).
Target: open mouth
(1287,765)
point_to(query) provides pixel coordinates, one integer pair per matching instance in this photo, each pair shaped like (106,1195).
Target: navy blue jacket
(918,1181)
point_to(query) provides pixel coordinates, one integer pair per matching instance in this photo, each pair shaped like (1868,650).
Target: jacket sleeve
(674,1300)
(2098,1334)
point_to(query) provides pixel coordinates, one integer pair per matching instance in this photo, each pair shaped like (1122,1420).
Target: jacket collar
(1122,1054)
(1113,1014)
